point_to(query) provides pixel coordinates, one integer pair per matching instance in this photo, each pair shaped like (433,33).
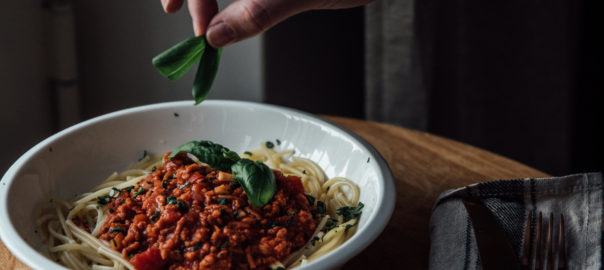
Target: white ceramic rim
(378,220)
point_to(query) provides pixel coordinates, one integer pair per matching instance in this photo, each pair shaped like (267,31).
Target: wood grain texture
(423,166)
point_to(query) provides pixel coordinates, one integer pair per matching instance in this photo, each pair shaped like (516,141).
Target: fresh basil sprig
(256,179)
(217,156)
(176,61)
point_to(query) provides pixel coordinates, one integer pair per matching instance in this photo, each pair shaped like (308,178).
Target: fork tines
(544,247)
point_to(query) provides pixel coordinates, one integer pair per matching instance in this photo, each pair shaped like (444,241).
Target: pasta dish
(203,206)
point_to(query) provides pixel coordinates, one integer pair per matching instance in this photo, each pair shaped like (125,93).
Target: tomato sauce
(186,216)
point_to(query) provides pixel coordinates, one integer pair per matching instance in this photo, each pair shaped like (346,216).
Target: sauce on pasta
(193,217)
(176,212)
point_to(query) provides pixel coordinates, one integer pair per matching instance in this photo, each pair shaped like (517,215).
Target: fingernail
(220,34)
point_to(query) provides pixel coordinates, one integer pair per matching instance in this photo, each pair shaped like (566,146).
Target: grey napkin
(578,197)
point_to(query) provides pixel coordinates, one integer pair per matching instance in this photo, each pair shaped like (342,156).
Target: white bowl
(77,158)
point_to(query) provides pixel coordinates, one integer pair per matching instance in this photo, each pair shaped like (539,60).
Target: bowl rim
(33,258)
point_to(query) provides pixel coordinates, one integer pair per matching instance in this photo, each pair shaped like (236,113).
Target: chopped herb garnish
(184,185)
(172,176)
(97,208)
(291,214)
(116,229)
(222,201)
(155,215)
(311,199)
(149,182)
(111,210)
(143,156)
(114,243)
(224,244)
(129,188)
(269,144)
(279,268)
(291,222)
(181,205)
(248,153)
(330,224)
(163,184)
(314,240)
(138,192)
(103,199)
(176,115)
(153,169)
(171,200)
(278,141)
(368,160)
(321,208)
(303,171)
(348,226)
(196,246)
(349,212)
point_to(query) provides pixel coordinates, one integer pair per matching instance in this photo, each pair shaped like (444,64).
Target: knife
(494,248)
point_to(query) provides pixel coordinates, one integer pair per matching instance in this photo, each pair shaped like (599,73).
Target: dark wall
(520,78)
(314,62)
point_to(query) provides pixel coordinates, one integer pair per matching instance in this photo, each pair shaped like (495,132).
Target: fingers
(171,6)
(202,12)
(246,18)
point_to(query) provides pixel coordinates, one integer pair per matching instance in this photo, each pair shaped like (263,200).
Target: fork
(538,249)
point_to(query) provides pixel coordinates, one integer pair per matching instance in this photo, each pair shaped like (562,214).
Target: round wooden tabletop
(423,166)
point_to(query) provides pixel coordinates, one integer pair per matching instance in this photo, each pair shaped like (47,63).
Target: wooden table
(424,166)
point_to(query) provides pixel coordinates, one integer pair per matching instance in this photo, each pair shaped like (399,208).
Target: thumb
(246,18)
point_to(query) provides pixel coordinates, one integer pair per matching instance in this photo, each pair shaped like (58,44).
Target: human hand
(246,18)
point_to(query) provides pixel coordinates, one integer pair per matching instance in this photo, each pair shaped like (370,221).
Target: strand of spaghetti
(336,184)
(311,167)
(310,246)
(310,183)
(85,250)
(100,247)
(56,234)
(62,219)
(76,261)
(94,195)
(332,239)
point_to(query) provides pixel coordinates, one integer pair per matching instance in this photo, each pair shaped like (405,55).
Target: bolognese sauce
(188,216)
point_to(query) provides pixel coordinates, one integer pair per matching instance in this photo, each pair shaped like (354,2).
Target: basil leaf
(349,212)
(176,61)
(256,179)
(217,156)
(206,72)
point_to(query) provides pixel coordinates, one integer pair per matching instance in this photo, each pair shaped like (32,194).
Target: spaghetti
(180,213)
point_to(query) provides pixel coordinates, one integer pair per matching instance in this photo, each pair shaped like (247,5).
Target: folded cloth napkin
(578,197)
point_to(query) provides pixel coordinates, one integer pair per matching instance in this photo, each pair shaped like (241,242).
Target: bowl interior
(76,159)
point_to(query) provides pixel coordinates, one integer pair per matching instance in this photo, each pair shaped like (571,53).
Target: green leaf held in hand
(176,61)
(256,179)
(206,72)
(215,155)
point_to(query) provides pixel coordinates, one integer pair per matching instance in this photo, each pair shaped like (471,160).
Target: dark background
(522,78)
